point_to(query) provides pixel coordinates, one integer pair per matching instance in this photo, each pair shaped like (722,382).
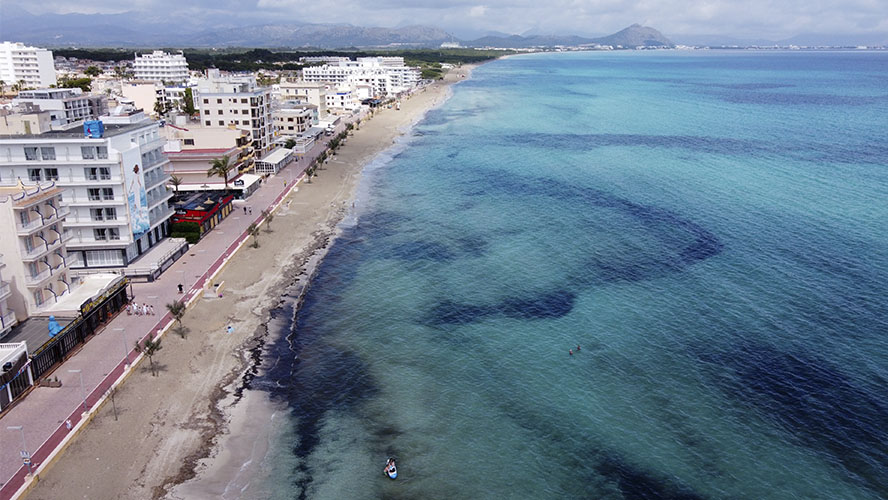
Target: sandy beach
(188,432)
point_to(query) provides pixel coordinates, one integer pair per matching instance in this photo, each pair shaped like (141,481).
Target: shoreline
(180,428)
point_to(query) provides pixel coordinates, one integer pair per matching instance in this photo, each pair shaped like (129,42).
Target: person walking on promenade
(151,310)
(245,210)
(181,288)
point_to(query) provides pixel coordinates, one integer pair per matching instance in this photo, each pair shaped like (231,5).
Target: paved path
(103,359)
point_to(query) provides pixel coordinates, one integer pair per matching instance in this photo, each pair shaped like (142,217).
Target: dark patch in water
(313,378)
(422,250)
(543,306)
(813,400)
(585,142)
(636,484)
(789,99)
(550,305)
(472,247)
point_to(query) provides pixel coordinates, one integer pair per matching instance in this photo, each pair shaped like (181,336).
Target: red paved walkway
(43,412)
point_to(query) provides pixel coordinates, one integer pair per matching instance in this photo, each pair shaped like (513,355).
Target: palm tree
(221,167)
(149,348)
(177,311)
(268,216)
(253,231)
(176,182)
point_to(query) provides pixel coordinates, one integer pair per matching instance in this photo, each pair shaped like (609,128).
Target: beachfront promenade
(102,361)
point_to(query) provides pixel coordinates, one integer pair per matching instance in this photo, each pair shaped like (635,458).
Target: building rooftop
(276,156)
(34,332)
(111,130)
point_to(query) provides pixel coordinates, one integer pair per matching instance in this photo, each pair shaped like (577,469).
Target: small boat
(391,470)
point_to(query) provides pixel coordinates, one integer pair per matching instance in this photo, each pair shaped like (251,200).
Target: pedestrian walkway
(103,361)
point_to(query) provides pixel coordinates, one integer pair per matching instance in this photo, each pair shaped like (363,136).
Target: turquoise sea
(710,227)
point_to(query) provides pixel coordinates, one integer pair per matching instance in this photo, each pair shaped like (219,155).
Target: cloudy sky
(772,19)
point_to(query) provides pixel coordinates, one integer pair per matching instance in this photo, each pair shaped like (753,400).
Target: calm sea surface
(710,227)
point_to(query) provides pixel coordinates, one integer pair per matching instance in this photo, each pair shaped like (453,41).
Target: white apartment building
(35,269)
(115,181)
(7,315)
(292,118)
(160,66)
(387,75)
(237,102)
(311,92)
(33,65)
(342,99)
(66,106)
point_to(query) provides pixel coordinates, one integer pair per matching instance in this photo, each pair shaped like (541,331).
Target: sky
(772,19)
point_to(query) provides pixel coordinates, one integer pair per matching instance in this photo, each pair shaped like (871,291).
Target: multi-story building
(35,268)
(237,102)
(115,180)
(387,75)
(192,149)
(7,315)
(342,99)
(311,92)
(24,119)
(31,65)
(160,66)
(293,118)
(65,106)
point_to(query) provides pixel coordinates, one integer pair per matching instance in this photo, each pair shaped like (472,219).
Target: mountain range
(201,29)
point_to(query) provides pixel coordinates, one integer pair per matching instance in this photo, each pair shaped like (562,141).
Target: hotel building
(115,180)
(33,65)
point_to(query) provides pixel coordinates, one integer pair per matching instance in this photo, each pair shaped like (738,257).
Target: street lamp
(26,457)
(126,350)
(82,390)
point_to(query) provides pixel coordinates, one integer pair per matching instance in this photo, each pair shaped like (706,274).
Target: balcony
(7,320)
(154,200)
(5,290)
(34,281)
(160,215)
(40,250)
(87,202)
(31,226)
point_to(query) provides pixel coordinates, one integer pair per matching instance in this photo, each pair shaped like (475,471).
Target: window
(245,122)
(206,101)
(30,154)
(189,142)
(91,173)
(206,111)
(102,152)
(100,234)
(221,123)
(110,214)
(108,193)
(93,194)
(218,101)
(208,123)
(34,175)
(218,111)
(244,111)
(48,153)
(51,174)
(290,119)
(88,152)
(97,214)
(38,296)
(243,101)
(113,234)
(104,257)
